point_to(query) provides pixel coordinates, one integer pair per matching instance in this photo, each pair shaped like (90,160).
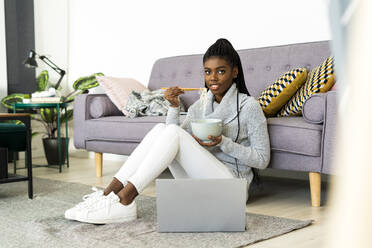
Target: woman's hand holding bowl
(207,132)
(215,140)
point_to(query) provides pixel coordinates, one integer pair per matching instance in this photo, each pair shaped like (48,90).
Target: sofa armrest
(90,106)
(80,116)
(100,106)
(322,109)
(314,108)
(329,132)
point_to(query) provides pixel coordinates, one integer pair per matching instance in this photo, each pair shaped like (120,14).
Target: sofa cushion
(320,80)
(287,134)
(295,135)
(121,128)
(101,106)
(118,89)
(274,97)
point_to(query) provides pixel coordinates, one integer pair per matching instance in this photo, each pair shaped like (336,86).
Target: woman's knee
(173,128)
(182,133)
(159,126)
(156,130)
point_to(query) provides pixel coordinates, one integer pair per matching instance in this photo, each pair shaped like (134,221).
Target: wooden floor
(277,197)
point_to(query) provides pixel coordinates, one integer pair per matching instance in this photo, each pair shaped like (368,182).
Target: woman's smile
(214,87)
(218,76)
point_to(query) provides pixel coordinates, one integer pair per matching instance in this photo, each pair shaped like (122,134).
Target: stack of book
(50,99)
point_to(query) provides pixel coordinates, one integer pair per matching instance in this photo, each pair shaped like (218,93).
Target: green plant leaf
(49,115)
(88,82)
(42,80)
(9,100)
(34,134)
(71,97)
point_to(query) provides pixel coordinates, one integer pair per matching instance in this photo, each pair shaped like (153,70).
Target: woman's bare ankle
(115,186)
(127,194)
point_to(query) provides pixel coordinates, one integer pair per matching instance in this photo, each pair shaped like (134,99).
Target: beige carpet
(40,223)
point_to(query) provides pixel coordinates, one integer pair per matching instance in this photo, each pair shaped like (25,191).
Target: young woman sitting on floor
(243,145)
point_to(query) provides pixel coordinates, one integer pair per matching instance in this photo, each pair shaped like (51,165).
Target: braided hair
(223,49)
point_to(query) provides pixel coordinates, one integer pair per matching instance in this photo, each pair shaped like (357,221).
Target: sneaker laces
(96,191)
(91,198)
(104,202)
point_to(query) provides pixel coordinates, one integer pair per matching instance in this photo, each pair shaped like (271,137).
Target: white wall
(124,38)
(51,39)
(3,68)
(52,36)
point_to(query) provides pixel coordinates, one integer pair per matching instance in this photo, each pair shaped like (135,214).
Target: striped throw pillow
(320,80)
(274,97)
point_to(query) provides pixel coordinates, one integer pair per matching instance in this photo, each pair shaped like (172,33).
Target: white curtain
(350,205)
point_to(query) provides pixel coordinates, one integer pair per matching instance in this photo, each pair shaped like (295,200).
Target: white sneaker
(89,199)
(108,210)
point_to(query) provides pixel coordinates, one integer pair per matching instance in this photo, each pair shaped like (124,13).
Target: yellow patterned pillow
(320,80)
(274,97)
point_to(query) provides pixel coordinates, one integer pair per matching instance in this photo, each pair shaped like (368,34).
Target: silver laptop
(201,205)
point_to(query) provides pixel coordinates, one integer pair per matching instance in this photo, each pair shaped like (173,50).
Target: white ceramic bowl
(202,128)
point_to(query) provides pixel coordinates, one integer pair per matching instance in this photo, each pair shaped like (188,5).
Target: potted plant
(48,116)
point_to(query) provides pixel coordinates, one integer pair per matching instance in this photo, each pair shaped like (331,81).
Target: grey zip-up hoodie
(252,148)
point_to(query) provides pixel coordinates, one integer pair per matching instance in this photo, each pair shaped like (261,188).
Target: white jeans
(170,146)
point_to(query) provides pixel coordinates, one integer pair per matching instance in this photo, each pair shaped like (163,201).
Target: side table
(58,107)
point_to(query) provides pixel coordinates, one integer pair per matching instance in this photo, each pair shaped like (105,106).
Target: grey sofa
(301,143)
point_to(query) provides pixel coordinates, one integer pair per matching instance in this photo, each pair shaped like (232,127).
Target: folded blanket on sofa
(147,103)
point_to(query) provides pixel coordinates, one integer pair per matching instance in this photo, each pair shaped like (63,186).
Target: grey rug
(40,223)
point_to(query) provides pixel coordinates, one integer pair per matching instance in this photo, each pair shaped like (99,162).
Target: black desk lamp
(31,63)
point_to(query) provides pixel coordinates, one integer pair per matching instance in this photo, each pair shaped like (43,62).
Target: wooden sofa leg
(98,160)
(315,188)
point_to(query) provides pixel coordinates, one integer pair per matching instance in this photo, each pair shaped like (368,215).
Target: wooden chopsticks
(185,89)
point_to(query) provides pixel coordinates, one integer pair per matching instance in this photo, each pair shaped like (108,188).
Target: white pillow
(118,89)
